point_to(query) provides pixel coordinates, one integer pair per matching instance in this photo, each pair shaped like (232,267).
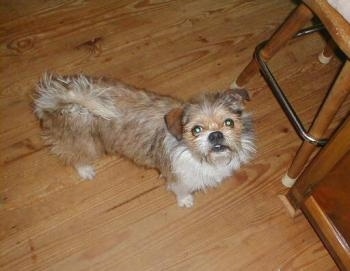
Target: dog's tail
(74,95)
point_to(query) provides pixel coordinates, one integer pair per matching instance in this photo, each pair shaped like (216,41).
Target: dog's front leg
(183,194)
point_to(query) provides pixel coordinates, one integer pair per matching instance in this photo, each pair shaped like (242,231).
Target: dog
(195,145)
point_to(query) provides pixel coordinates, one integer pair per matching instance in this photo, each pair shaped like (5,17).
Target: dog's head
(213,126)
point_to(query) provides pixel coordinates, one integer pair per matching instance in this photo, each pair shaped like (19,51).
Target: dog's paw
(186,201)
(86,172)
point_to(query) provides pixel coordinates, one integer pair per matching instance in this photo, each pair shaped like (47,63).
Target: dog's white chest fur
(198,175)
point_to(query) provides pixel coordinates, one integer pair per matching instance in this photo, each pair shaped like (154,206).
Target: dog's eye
(229,122)
(196,130)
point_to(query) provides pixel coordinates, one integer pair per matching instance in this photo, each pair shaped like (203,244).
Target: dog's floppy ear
(234,99)
(173,121)
(239,94)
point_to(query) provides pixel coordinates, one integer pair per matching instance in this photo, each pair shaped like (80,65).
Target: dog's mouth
(219,148)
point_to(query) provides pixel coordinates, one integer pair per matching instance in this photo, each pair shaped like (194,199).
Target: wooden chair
(339,31)
(322,193)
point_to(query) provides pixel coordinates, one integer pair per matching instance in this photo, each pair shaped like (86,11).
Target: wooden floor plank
(125,219)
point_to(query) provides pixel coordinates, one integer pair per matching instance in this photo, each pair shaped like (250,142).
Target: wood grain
(125,219)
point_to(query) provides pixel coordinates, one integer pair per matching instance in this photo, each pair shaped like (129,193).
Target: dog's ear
(173,121)
(235,99)
(237,94)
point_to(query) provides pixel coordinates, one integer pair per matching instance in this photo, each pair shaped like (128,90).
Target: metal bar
(281,98)
(309,30)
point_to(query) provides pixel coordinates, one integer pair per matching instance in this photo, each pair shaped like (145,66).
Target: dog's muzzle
(216,139)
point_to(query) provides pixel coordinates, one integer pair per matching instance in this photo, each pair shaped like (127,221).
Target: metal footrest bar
(278,92)
(309,30)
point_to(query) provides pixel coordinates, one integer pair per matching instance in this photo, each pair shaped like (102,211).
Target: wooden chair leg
(295,21)
(333,102)
(322,164)
(328,52)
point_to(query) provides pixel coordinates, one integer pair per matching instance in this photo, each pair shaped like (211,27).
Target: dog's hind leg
(85,154)
(86,172)
(75,147)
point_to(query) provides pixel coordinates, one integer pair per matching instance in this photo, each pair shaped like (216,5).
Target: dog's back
(83,117)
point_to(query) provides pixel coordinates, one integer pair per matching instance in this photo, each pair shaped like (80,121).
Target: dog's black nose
(216,137)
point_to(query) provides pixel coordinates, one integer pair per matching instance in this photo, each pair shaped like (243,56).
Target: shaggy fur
(194,145)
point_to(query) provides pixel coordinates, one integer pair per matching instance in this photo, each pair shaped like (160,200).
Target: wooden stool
(322,193)
(339,30)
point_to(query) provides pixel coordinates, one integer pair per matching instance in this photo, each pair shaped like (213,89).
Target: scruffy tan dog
(194,145)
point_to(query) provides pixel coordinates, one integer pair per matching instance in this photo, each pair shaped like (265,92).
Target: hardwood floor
(125,219)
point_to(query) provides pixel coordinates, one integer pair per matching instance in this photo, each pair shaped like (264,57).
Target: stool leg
(295,21)
(328,52)
(336,149)
(334,100)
